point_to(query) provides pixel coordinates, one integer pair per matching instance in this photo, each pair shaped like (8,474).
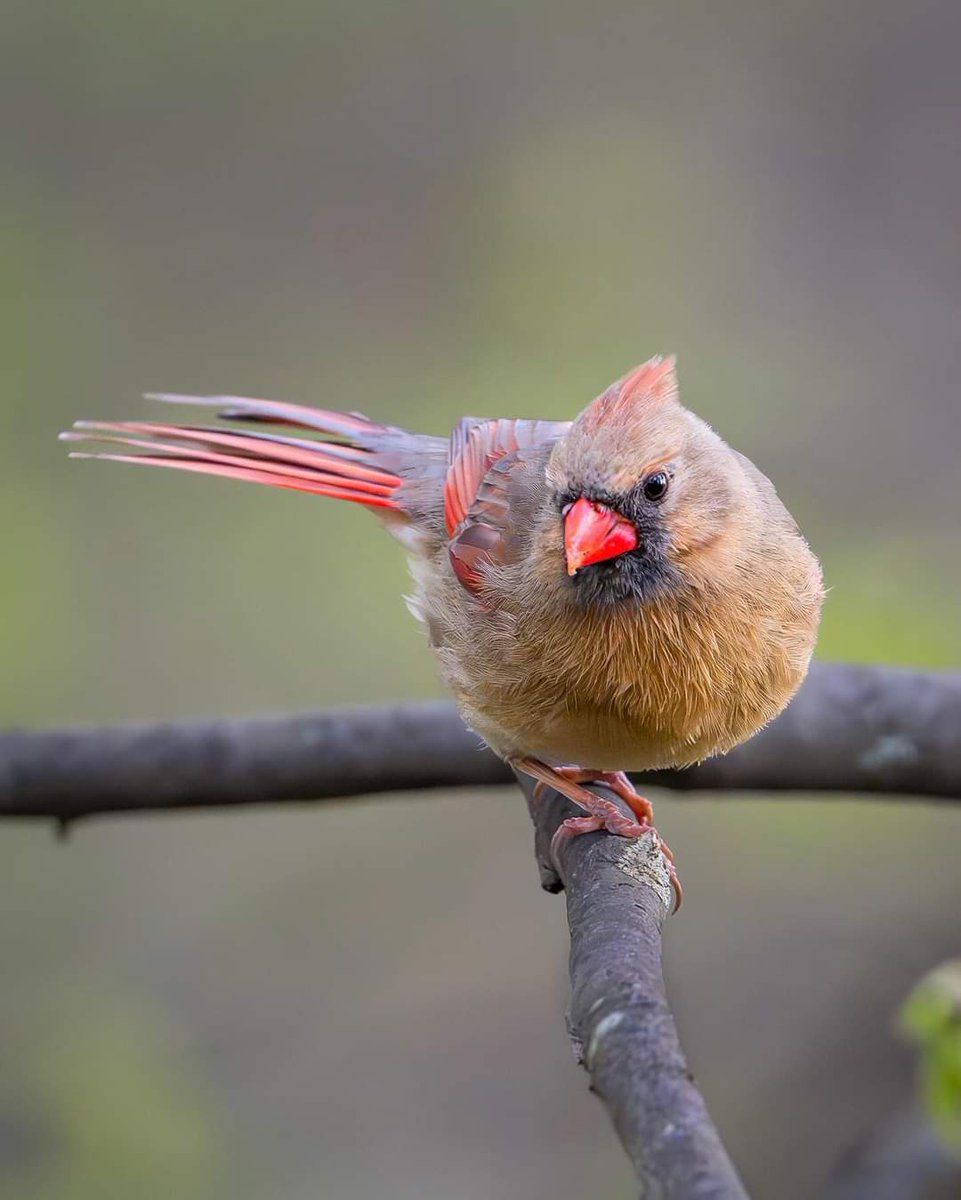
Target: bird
(619,592)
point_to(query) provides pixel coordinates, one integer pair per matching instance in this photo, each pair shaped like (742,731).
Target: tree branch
(901,1159)
(618,896)
(851,729)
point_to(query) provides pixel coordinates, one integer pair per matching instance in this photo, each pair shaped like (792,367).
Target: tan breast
(667,684)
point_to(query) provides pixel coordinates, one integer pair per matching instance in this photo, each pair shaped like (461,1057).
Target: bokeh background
(422,210)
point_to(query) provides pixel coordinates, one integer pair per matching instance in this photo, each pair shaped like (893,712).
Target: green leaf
(931,1018)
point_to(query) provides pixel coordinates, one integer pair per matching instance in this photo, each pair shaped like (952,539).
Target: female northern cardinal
(624,590)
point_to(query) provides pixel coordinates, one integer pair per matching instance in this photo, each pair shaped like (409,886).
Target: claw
(602,814)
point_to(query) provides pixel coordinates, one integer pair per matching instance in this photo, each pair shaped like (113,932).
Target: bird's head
(640,486)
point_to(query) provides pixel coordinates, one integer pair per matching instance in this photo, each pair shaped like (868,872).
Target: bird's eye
(656,485)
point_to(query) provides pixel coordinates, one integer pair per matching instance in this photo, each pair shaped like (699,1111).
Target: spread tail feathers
(348,469)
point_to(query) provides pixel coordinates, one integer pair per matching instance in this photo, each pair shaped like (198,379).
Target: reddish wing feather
(476,504)
(477,496)
(475,447)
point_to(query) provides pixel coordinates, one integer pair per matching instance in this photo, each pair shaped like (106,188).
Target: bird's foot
(602,814)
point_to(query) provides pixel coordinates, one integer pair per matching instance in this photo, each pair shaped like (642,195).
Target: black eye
(656,485)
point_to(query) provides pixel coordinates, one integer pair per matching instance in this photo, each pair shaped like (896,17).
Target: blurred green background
(421,210)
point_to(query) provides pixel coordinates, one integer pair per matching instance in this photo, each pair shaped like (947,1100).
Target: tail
(349,468)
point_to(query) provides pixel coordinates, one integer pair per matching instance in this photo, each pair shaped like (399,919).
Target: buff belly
(605,738)
(661,690)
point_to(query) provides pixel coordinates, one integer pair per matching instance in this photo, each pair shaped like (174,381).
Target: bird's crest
(647,387)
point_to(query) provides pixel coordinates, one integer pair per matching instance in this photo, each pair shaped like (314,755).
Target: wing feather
(487,459)
(476,446)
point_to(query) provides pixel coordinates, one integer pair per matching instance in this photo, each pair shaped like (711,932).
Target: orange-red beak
(593,532)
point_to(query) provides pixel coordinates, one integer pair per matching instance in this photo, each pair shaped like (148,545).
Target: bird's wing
(490,463)
(475,446)
(455,491)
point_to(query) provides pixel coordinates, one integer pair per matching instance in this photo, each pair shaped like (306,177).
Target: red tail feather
(278,412)
(323,468)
